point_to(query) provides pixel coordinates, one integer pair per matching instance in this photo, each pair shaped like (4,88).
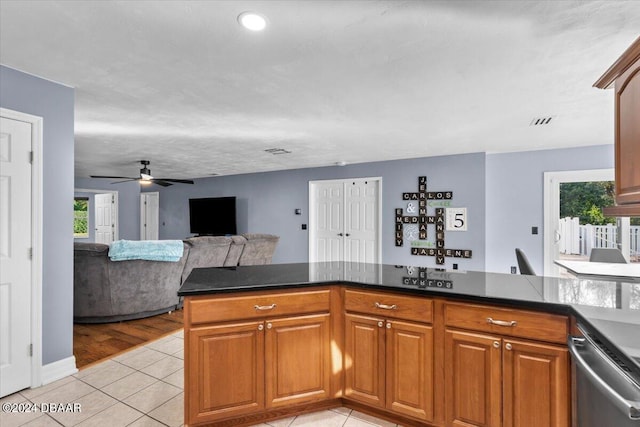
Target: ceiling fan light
(145,176)
(252,21)
(146,181)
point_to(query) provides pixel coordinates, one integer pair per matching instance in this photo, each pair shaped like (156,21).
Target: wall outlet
(455,266)
(513,269)
(534,230)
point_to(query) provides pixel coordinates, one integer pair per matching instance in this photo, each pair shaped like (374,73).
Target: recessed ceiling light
(252,21)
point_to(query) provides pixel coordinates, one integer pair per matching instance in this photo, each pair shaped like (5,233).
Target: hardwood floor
(95,342)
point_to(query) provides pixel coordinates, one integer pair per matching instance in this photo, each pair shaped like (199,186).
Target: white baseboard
(62,368)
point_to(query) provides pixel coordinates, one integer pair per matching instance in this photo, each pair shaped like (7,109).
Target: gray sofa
(111,291)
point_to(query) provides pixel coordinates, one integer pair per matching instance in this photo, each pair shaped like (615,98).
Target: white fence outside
(576,239)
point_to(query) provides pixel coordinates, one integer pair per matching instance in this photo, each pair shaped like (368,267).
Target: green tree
(585,200)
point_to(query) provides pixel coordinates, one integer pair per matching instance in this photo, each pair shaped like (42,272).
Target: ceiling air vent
(276,151)
(539,121)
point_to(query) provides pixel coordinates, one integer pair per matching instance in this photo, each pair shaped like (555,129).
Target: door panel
(536,390)
(15,259)
(104,218)
(410,369)
(217,355)
(361,232)
(298,360)
(473,386)
(328,223)
(364,359)
(149,215)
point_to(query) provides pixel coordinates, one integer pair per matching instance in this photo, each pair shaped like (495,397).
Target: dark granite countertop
(609,309)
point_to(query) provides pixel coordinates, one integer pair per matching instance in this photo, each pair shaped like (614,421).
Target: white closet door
(326,221)
(344,220)
(361,220)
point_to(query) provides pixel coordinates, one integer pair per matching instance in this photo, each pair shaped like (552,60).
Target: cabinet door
(364,359)
(628,136)
(298,359)
(226,371)
(473,388)
(409,364)
(536,385)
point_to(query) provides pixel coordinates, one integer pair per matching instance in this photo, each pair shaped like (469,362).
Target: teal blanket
(150,250)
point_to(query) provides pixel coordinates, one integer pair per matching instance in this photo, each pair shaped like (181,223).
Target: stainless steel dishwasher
(607,391)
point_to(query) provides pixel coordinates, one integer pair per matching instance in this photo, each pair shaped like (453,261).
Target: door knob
(340,234)
(347,234)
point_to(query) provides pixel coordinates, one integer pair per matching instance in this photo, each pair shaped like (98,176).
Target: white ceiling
(180,83)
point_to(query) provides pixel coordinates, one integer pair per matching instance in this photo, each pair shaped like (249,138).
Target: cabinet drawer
(506,321)
(222,309)
(389,305)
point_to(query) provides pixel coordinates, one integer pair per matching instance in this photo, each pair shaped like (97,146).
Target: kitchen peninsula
(418,346)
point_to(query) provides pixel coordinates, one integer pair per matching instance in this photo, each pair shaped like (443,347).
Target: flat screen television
(213,216)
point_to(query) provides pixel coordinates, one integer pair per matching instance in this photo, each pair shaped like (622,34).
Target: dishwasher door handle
(631,408)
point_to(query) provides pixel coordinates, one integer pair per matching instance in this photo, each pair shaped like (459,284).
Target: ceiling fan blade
(126,180)
(161,182)
(111,177)
(180,181)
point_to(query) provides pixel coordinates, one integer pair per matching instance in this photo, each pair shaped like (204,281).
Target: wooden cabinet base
(273,414)
(291,411)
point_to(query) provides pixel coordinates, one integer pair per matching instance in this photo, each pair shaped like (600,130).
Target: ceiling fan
(146,178)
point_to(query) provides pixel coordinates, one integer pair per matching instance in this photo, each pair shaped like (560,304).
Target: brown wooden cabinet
(238,368)
(624,76)
(255,356)
(389,362)
(497,380)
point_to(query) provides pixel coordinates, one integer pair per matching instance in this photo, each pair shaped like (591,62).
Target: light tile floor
(141,388)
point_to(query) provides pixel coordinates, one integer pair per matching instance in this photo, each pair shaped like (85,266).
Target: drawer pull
(264,307)
(502,322)
(386,307)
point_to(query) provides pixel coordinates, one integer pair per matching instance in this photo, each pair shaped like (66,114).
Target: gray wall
(266,203)
(515,199)
(128,203)
(55,104)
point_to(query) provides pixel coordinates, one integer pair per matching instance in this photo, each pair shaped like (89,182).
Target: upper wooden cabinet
(624,76)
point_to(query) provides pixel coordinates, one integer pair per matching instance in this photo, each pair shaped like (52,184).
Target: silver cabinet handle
(264,307)
(508,346)
(385,306)
(260,327)
(496,344)
(380,324)
(269,325)
(510,324)
(388,325)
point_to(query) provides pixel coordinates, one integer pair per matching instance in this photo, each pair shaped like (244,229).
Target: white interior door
(105,221)
(149,215)
(361,220)
(344,220)
(15,255)
(326,218)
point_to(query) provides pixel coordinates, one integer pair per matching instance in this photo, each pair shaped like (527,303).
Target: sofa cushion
(235,250)
(258,249)
(206,251)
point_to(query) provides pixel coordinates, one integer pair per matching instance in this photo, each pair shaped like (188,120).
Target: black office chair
(607,255)
(523,263)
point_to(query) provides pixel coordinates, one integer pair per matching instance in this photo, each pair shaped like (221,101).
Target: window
(81,218)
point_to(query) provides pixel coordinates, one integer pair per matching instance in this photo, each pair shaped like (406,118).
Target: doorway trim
(552,182)
(36,238)
(116,214)
(312,204)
